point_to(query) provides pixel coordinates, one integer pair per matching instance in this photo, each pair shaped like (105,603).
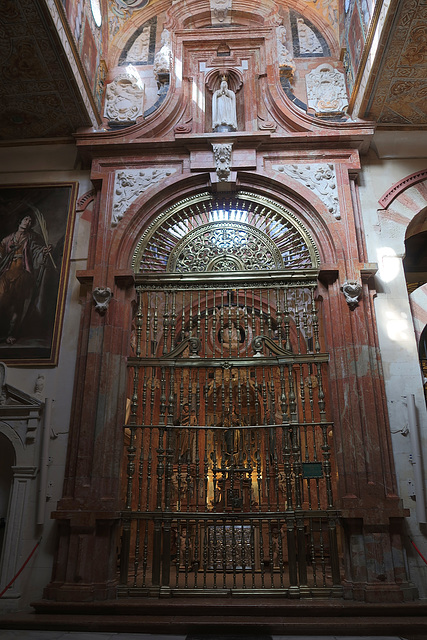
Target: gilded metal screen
(228,476)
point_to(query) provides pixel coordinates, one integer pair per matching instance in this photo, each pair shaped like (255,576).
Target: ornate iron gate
(229,476)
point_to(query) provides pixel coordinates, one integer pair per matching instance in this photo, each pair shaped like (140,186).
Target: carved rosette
(352,291)
(320,178)
(132,183)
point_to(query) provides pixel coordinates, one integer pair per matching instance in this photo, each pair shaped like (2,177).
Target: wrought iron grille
(243,231)
(229,475)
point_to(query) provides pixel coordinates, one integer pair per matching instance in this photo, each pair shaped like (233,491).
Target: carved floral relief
(130,183)
(320,178)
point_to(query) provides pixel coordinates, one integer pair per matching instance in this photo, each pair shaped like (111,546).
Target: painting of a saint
(35,235)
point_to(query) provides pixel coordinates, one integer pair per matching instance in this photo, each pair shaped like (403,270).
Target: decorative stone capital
(102,298)
(352,291)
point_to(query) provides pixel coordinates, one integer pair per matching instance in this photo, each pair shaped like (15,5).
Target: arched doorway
(229,477)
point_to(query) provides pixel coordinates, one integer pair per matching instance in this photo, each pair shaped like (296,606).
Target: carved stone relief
(130,184)
(222,155)
(124,99)
(102,298)
(220,11)
(140,49)
(308,41)
(320,178)
(352,291)
(326,90)
(286,63)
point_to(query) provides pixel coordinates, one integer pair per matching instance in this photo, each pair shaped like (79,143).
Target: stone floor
(17,634)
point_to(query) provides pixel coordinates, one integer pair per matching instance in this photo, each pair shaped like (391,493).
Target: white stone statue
(124,99)
(326,90)
(162,59)
(224,108)
(286,62)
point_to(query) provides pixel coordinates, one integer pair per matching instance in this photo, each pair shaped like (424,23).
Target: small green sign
(312,470)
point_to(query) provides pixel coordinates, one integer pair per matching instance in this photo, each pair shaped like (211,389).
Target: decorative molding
(222,155)
(102,298)
(352,291)
(124,99)
(401,186)
(320,178)
(131,183)
(326,91)
(85,200)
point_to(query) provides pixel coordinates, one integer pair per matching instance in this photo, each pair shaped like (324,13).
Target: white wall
(48,164)
(385,244)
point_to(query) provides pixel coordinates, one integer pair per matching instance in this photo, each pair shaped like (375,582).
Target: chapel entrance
(229,477)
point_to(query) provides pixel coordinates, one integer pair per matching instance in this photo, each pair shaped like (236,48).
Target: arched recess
(286,193)
(228,427)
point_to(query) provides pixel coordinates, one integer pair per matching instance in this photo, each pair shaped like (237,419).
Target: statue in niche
(162,60)
(224,116)
(287,66)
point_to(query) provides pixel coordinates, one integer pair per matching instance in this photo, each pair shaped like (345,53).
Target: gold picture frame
(36,231)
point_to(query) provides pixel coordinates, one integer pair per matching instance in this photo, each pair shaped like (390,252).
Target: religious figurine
(224,116)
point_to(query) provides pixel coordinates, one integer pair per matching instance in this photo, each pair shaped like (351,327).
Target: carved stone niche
(213,82)
(326,91)
(124,100)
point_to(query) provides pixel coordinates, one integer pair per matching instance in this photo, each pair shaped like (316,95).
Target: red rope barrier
(418,551)
(20,570)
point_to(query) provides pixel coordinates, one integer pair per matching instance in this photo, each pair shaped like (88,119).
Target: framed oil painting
(36,230)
